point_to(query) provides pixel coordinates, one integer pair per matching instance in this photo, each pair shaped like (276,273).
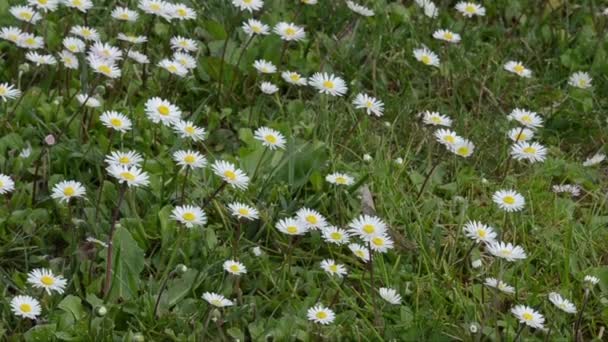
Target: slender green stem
(110,249)
(169,269)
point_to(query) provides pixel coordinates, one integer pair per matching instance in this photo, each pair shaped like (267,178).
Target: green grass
(565,238)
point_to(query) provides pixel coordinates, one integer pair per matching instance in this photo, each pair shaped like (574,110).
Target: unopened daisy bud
(49,140)
(367,157)
(473,328)
(476,263)
(101,311)
(181,269)
(138,337)
(24,68)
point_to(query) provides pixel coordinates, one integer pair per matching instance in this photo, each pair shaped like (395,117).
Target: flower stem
(258,164)
(426,180)
(166,273)
(215,193)
(183,197)
(108,279)
(521,328)
(579,320)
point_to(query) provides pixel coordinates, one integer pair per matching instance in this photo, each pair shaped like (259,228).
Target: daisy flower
(187,129)
(562,303)
(533,152)
(6,184)
(41,59)
(367,227)
(335,235)
(328,84)
(591,280)
(66,190)
(43,278)
(370,104)
(331,267)
(85,32)
(30,41)
(189,158)
(252,27)
(447,36)
(74,45)
(518,68)
(26,307)
(289,31)
(340,179)
(185,60)
(69,60)
(595,159)
(509,200)
(470,9)
(447,137)
(528,316)
(573,189)
(499,285)
(381,243)
(230,174)
(270,138)
(520,134)
(81,5)
(463,148)
(181,12)
(526,118)
(435,119)
(156,7)
(8,92)
(265,67)
(103,66)
(390,295)
(321,314)
(124,14)
(217,300)
(116,121)
(360,251)
(248,5)
(294,78)
(243,211)
(362,10)
(507,251)
(234,267)
(126,159)
(173,67)
(10,33)
(25,13)
(189,215)
(132,176)
(268,88)
(183,44)
(105,51)
(138,57)
(580,80)
(476,263)
(163,111)
(426,56)
(45,5)
(132,39)
(311,218)
(88,100)
(309,2)
(291,226)
(429,8)
(479,232)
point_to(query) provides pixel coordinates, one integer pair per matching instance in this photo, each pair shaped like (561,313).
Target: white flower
(10,33)
(156,7)
(245,211)
(181,12)
(291,226)
(426,56)
(124,14)
(132,176)
(367,227)
(399,161)
(528,316)
(26,307)
(104,67)
(31,42)
(447,137)
(253,27)
(69,60)
(367,157)
(429,7)
(189,215)
(265,67)
(479,232)
(520,134)
(217,300)
(85,32)
(595,159)
(435,119)
(331,267)
(138,57)
(81,5)
(43,278)
(131,39)
(8,92)
(189,158)
(509,200)
(230,174)
(257,251)
(45,5)
(173,67)
(289,31)
(381,243)
(328,84)
(234,267)
(338,178)
(184,60)
(248,5)
(187,129)
(321,314)
(500,285)
(335,235)
(360,251)
(126,159)
(526,118)
(41,59)
(469,9)
(507,251)
(580,80)
(370,104)
(518,68)
(591,280)
(562,303)
(311,218)
(183,44)
(66,190)
(293,77)
(116,121)
(476,263)
(88,100)
(270,138)
(268,88)
(390,295)
(163,111)
(74,45)
(573,189)
(25,13)
(463,148)
(362,10)
(533,152)
(447,35)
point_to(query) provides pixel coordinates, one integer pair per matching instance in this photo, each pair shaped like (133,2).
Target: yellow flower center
(463,151)
(230,175)
(436,120)
(25,15)
(1,184)
(73,47)
(369,104)
(519,68)
(256,29)
(69,191)
(248,1)
(448,36)
(216,302)
(13,37)
(47,280)
(86,32)
(521,136)
(290,31)
(124,160)
(530,150)
(3,91)
(328,85)
(426,59)
(105,69)
(378,241)
(243,211)
(505,252)
(292,229)
(116,122)
(369,228)
(481,233)
(340,180)
(128,176)
(124,16)
(271,139)
(43,2)
(30,41)
(470,9)
(509,199)
(25,307)
(234,268)
(76,3)
(189,129)
(189,216)
(360,253)
(189,159)
(155,7)
(333,268)
(312,219)
(321,315)
(527,316)
(181,12)
(335,236)
(172,68)
(526,118)
(582,83)
(450,139)
(294,77)
(163,110)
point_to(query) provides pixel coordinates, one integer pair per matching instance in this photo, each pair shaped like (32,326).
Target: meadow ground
(181,172)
